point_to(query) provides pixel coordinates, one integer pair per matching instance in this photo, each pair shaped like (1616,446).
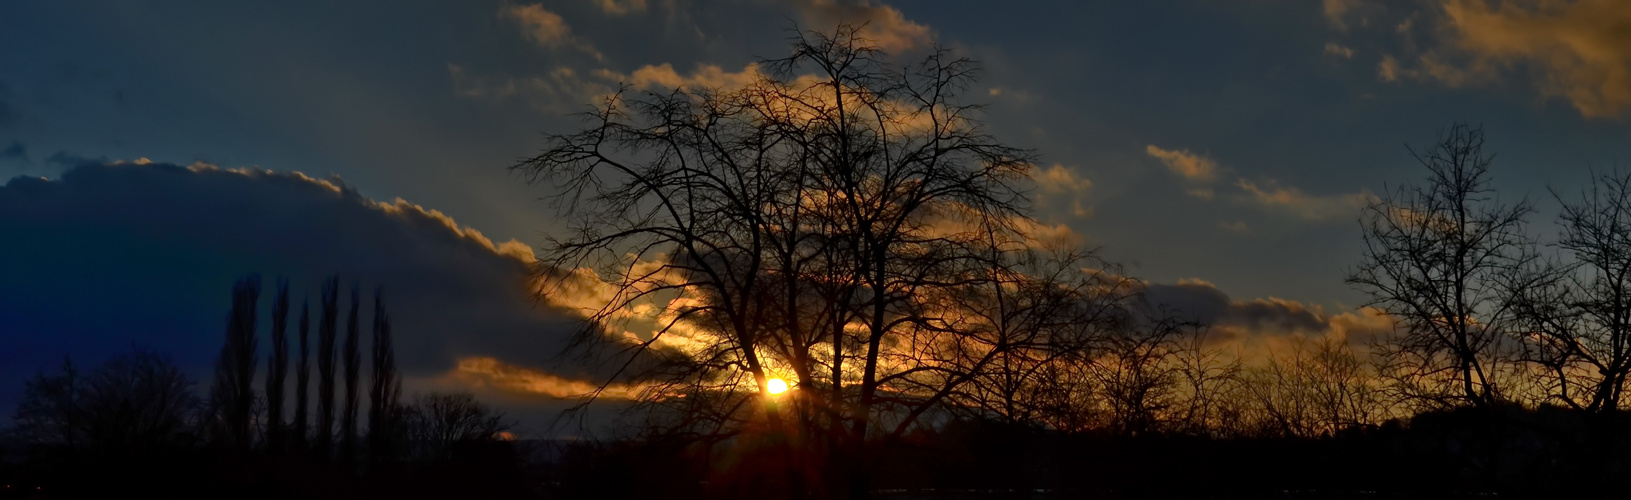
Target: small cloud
(547,28)
(884,26)
(1388,70)
(1184,163)
(1339,12)
(621,7)
(1236,226)
(1336,49)
(1289,198)
(1060,178)
(664,77)
(65,159)
(15,150)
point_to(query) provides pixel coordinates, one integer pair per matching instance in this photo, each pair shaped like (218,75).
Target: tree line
(852,229)
(141,412)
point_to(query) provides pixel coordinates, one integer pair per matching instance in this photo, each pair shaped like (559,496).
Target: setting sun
(776,386)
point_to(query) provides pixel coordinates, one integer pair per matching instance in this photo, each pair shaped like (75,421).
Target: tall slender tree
(277,369)
(325,367)
(385,391)
(302,380)
(353,367)
(233,395)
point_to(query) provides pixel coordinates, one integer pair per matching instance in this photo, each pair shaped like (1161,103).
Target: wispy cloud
(547,28)
(1182,162)
(1578,51)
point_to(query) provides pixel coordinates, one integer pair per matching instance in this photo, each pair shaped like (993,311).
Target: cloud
(621,7)
(1579,51)
(1388,70)
(1248,323)
(547,28)
(1336,10)
(15,150)
(885,26)
(1294,200)
(1189,165)
(1059,179)
(1336,49)
(482,370)
(663,77)
(117,254)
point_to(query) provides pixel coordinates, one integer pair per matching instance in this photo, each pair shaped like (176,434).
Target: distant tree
(436,423)
(302,380)
(132,403)
(385,391)
(353,369)
(233,395)
(324,433)
(277,366)
(1442,259)
(49,411)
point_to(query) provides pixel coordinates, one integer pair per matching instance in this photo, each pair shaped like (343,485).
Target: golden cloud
(621,7)
(1576,50)
(547,28)
(1304,205)
(480,370)
(885,26)
(1189,165)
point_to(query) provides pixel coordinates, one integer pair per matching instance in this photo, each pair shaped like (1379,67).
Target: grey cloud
(1203,302)
(15,150)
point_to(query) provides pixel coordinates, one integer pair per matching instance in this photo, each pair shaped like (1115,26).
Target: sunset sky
(1221,150)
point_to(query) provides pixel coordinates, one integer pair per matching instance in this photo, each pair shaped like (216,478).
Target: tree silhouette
(1442,258)
(385,389)
(233,395)
(810,227)
(129,406)
(302,381)
(277,367)
(353,369)
(324,433)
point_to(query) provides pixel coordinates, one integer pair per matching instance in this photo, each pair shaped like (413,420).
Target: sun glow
(776,386)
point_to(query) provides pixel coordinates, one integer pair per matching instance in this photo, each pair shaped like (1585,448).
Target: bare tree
(133,403)
(436,423)
(1579,322)
(1444,259)
(233,395)
(49,411)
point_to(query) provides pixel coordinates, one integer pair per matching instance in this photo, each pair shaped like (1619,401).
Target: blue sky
(1225,142)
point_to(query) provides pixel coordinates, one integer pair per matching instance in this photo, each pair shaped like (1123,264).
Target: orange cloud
(547,28)
(480,370)
(1184,163)
(1575,50)
(621,7)
(885,26)
(1304,205)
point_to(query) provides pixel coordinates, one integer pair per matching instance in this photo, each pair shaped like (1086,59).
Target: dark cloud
(67,159)
(1204,302)
(145,254)
(16,150)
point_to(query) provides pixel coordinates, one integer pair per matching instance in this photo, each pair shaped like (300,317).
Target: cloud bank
(144,254)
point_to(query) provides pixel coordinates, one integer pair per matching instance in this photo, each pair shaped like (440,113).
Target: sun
(776,386)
